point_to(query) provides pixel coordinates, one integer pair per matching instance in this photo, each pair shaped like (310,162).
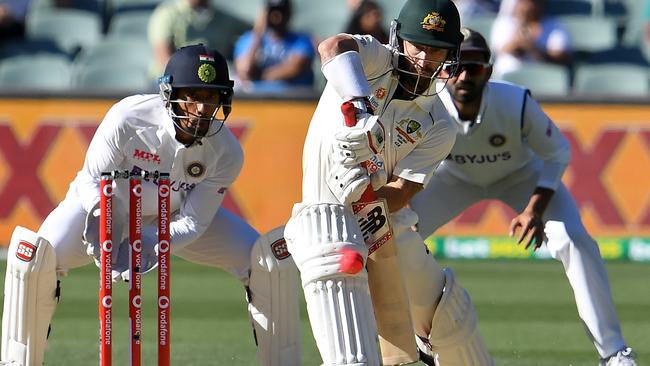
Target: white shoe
(624,357)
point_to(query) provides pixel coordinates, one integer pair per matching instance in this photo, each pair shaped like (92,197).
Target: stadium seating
(70,28)
(40,72)
(590,34)
(249,10)
(320,19)
(541,78)
(30,47)
(568,7)
(129,24)
(117,6)
(612,79)
(132,51)
(112,77)
(482,24)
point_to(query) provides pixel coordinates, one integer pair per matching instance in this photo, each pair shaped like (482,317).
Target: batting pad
(29,298)
(339,305)
(454,332)
(273,301)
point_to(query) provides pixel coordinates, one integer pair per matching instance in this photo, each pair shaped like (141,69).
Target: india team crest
(497,140)
(207,73)
(195,169)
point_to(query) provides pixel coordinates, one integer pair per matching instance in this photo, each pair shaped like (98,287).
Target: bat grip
(350,117)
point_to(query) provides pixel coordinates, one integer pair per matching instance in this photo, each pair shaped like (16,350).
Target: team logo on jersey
(195,169)
(433,21)
(146,156)
(25,251)
(497,140)
(409,129)
(279,249)
(207,73)
(380,93)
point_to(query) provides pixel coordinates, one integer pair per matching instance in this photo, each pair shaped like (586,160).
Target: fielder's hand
(532,229)
(361,138)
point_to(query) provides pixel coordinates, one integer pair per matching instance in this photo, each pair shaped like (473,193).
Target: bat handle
(350,117)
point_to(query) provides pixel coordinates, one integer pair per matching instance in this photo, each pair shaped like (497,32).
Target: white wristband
(345,73)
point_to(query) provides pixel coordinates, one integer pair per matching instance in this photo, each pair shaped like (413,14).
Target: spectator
(367,19)
(12,18)
(472,8)
(270,57)
(177,23)
(524,34)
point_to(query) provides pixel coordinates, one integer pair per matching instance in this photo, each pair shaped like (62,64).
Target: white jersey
(138,134)
(516,132)
(419,132)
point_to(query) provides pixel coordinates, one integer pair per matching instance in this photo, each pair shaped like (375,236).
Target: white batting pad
(29,297)
(273,302)
(454,333)
(338,303)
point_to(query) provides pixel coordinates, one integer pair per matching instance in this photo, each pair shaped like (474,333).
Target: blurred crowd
(555,47)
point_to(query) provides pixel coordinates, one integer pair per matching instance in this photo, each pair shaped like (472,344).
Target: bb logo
(279,249)
(25,251)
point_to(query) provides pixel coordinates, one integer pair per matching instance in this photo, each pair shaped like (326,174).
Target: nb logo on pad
(25,251)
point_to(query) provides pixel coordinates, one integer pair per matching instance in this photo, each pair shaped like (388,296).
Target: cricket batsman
(402,131)
(180,131)
(508,149)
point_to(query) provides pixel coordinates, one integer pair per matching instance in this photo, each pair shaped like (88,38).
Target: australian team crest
(409,129)
(433,21)
(412,126)
(195,169)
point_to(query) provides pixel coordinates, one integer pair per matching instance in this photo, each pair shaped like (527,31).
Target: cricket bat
(387,289)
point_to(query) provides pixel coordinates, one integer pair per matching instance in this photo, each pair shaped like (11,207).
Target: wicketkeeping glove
(149,239)
(90,236)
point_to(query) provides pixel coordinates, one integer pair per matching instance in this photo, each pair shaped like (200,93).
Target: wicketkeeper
(180,131)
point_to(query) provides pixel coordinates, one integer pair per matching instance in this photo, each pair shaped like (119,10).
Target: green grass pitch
(526,314)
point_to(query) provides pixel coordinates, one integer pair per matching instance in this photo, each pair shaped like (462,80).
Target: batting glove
(361,138)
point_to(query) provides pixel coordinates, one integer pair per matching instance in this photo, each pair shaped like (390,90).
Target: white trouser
(226,244)
(446,196)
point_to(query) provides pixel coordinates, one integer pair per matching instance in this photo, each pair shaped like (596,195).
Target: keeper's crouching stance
(181,129)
